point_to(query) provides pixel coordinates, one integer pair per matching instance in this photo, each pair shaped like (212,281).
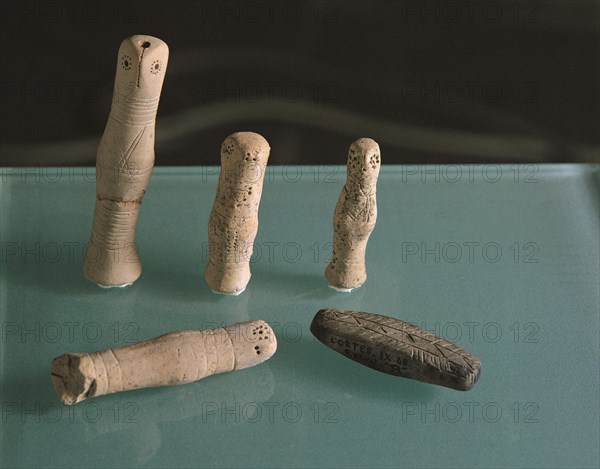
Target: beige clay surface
(171,359)
(354,217)
(233,222)
(124,162)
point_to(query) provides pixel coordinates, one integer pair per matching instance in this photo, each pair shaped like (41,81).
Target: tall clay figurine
(354,217)
(233,222)
(124,162)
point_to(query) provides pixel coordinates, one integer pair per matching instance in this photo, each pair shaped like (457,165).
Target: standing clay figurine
(124,162)
(233,222)
(354,217)
(171,359)
(396,347)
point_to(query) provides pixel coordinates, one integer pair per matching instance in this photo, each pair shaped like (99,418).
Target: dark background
(431,81)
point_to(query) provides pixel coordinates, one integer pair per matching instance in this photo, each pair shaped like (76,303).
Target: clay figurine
(124,162)
(354,217)
(171,359)
(233,222)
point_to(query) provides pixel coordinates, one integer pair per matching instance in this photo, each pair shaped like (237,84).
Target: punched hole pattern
(156,67)
(126,62)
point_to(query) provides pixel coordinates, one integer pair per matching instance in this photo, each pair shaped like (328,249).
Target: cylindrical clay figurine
(233,222)
(171,359)
(124,162)
(354,217)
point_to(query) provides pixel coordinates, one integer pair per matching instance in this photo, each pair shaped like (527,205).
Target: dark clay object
(396,347)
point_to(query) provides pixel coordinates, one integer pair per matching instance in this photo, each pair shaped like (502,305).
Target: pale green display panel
(502,260)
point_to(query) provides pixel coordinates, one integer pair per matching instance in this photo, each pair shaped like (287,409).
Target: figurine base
(344,290)
(235,293)
(115,286)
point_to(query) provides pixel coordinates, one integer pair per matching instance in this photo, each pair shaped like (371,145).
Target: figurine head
(141,67)
(253,342)
(364,160)
(244,157)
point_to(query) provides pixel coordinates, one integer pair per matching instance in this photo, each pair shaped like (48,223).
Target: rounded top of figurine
(141,67)
(253,342)
(364,161)
(245,149)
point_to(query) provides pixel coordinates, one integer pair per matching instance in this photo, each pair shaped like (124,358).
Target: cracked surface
(122,203)
(73,377)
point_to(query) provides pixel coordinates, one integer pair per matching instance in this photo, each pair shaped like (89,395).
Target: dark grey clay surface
(396,347)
